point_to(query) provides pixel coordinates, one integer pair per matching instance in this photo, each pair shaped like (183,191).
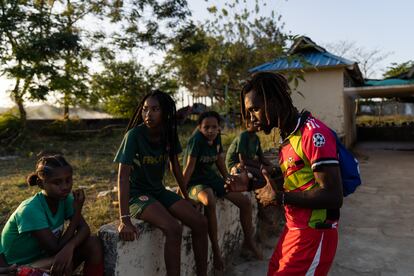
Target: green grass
(91,157)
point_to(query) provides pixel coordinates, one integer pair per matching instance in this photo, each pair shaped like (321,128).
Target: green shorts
(138,203)
(217,187)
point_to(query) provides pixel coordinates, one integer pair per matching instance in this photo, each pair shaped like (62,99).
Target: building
(330,86)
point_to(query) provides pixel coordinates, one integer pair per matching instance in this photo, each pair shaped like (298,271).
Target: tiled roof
(309,58)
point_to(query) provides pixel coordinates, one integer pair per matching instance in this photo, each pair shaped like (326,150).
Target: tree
(71,79)
(213,58)
(397,69)
(29,43)
(45,45)
(368,60)
(122,85)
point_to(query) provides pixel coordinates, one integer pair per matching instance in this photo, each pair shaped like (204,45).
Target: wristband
(125,216)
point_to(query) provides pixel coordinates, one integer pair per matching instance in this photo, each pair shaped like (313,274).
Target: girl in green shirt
(204,150)
(150,144)
(34,236)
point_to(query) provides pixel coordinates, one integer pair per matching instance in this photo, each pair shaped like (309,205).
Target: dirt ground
(377,221)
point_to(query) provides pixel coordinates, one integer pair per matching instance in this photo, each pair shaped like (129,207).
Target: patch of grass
(91,157)
(371,120)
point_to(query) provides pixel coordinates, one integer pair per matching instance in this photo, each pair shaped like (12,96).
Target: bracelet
(125,216)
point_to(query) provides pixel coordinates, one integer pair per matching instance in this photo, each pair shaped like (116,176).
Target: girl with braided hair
(149,145)
(310,188)
(34,235)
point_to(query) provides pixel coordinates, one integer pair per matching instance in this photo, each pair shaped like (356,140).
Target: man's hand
(267,194)
(62,263)
(127,231)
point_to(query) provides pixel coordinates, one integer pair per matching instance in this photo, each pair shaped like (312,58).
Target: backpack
(349,167)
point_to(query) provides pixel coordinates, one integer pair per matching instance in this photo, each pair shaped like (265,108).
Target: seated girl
(34,235)
(204,149)
(150,143)
(245,155)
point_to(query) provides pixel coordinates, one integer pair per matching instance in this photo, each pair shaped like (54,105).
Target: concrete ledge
(145,256)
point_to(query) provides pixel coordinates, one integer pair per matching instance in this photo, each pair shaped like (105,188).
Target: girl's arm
(221,165)
(127,231)
(77,225)
(244,161)
(176,169)
(189,169)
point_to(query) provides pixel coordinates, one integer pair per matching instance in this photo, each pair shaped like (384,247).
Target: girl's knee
(207,197)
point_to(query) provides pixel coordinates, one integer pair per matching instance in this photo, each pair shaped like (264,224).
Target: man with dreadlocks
(150,143)
(310,188)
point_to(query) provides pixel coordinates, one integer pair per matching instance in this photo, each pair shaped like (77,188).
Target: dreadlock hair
(44,168)
(274,88)
(208,114)
(169,118)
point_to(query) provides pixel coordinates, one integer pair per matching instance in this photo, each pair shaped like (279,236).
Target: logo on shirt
(208,159)
(143,198)
(311,123)
(318,140)
(291,162)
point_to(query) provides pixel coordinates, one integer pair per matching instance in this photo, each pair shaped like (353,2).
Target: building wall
(323,96)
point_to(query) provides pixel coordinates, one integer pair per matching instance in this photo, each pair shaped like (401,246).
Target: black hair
(44,168)
(208,114)
(169,119)
(274,88)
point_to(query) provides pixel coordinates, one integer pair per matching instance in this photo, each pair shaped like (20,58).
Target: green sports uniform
(247,144)
(149,163)
(204,175)
(17,243)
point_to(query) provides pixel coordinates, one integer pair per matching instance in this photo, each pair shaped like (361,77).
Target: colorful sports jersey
(310,145)
(207,155)
(149,160)
(247,143)
(17,243)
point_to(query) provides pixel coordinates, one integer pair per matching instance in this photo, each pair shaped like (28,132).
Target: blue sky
(383,25)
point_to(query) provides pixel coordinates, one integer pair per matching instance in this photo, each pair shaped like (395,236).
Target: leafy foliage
(213,59)
(397,69)
(122,85)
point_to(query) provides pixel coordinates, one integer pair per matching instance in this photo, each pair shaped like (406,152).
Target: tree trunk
(18,99)
(66,111)
(22,111)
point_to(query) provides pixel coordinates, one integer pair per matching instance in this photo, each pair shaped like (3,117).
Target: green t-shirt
(17,244)
(247,144)
(207,155)
(149,160)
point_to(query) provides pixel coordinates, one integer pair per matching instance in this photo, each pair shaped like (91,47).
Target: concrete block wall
(145,256)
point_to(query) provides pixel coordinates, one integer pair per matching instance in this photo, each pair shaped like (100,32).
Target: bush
(10,128)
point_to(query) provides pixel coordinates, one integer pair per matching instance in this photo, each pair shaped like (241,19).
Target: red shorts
(304,252)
